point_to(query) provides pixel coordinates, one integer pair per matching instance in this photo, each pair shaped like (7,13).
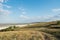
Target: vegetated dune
(37,31)
(25,35)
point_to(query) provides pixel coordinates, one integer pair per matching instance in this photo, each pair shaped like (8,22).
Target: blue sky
(23,11)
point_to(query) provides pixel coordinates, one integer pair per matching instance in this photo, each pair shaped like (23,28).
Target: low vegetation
(25,35)
(37,31)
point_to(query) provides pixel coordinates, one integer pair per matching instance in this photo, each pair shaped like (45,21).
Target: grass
(37,31)
(25,35)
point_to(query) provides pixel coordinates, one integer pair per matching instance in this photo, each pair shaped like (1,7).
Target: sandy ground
(3,27)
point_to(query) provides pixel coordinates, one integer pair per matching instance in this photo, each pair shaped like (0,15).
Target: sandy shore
(6,26)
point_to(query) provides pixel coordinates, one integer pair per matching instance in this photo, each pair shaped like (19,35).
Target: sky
(25,11)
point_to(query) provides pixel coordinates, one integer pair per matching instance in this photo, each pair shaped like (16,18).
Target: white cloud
(4,16)
(23,12)
(1,5)
(2,1)
(22,9)
(24,17)
(40,18)
(35,18)
(4,12)
(7,6)
(52,18)
(56,10)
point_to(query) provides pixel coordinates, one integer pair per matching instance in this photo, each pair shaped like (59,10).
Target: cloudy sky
(22,11)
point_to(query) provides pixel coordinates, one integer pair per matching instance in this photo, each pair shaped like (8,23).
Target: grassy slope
(25,35)
(43,29)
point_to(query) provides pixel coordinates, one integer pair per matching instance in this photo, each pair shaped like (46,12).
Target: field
(37,31)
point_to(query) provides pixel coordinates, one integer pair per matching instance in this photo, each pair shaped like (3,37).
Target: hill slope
(46,30)
(25,35)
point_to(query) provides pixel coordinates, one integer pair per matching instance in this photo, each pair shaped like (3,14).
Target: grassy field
(25,35)
(37,31)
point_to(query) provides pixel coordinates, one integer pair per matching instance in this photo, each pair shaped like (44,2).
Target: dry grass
(25,35)
(38,31)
